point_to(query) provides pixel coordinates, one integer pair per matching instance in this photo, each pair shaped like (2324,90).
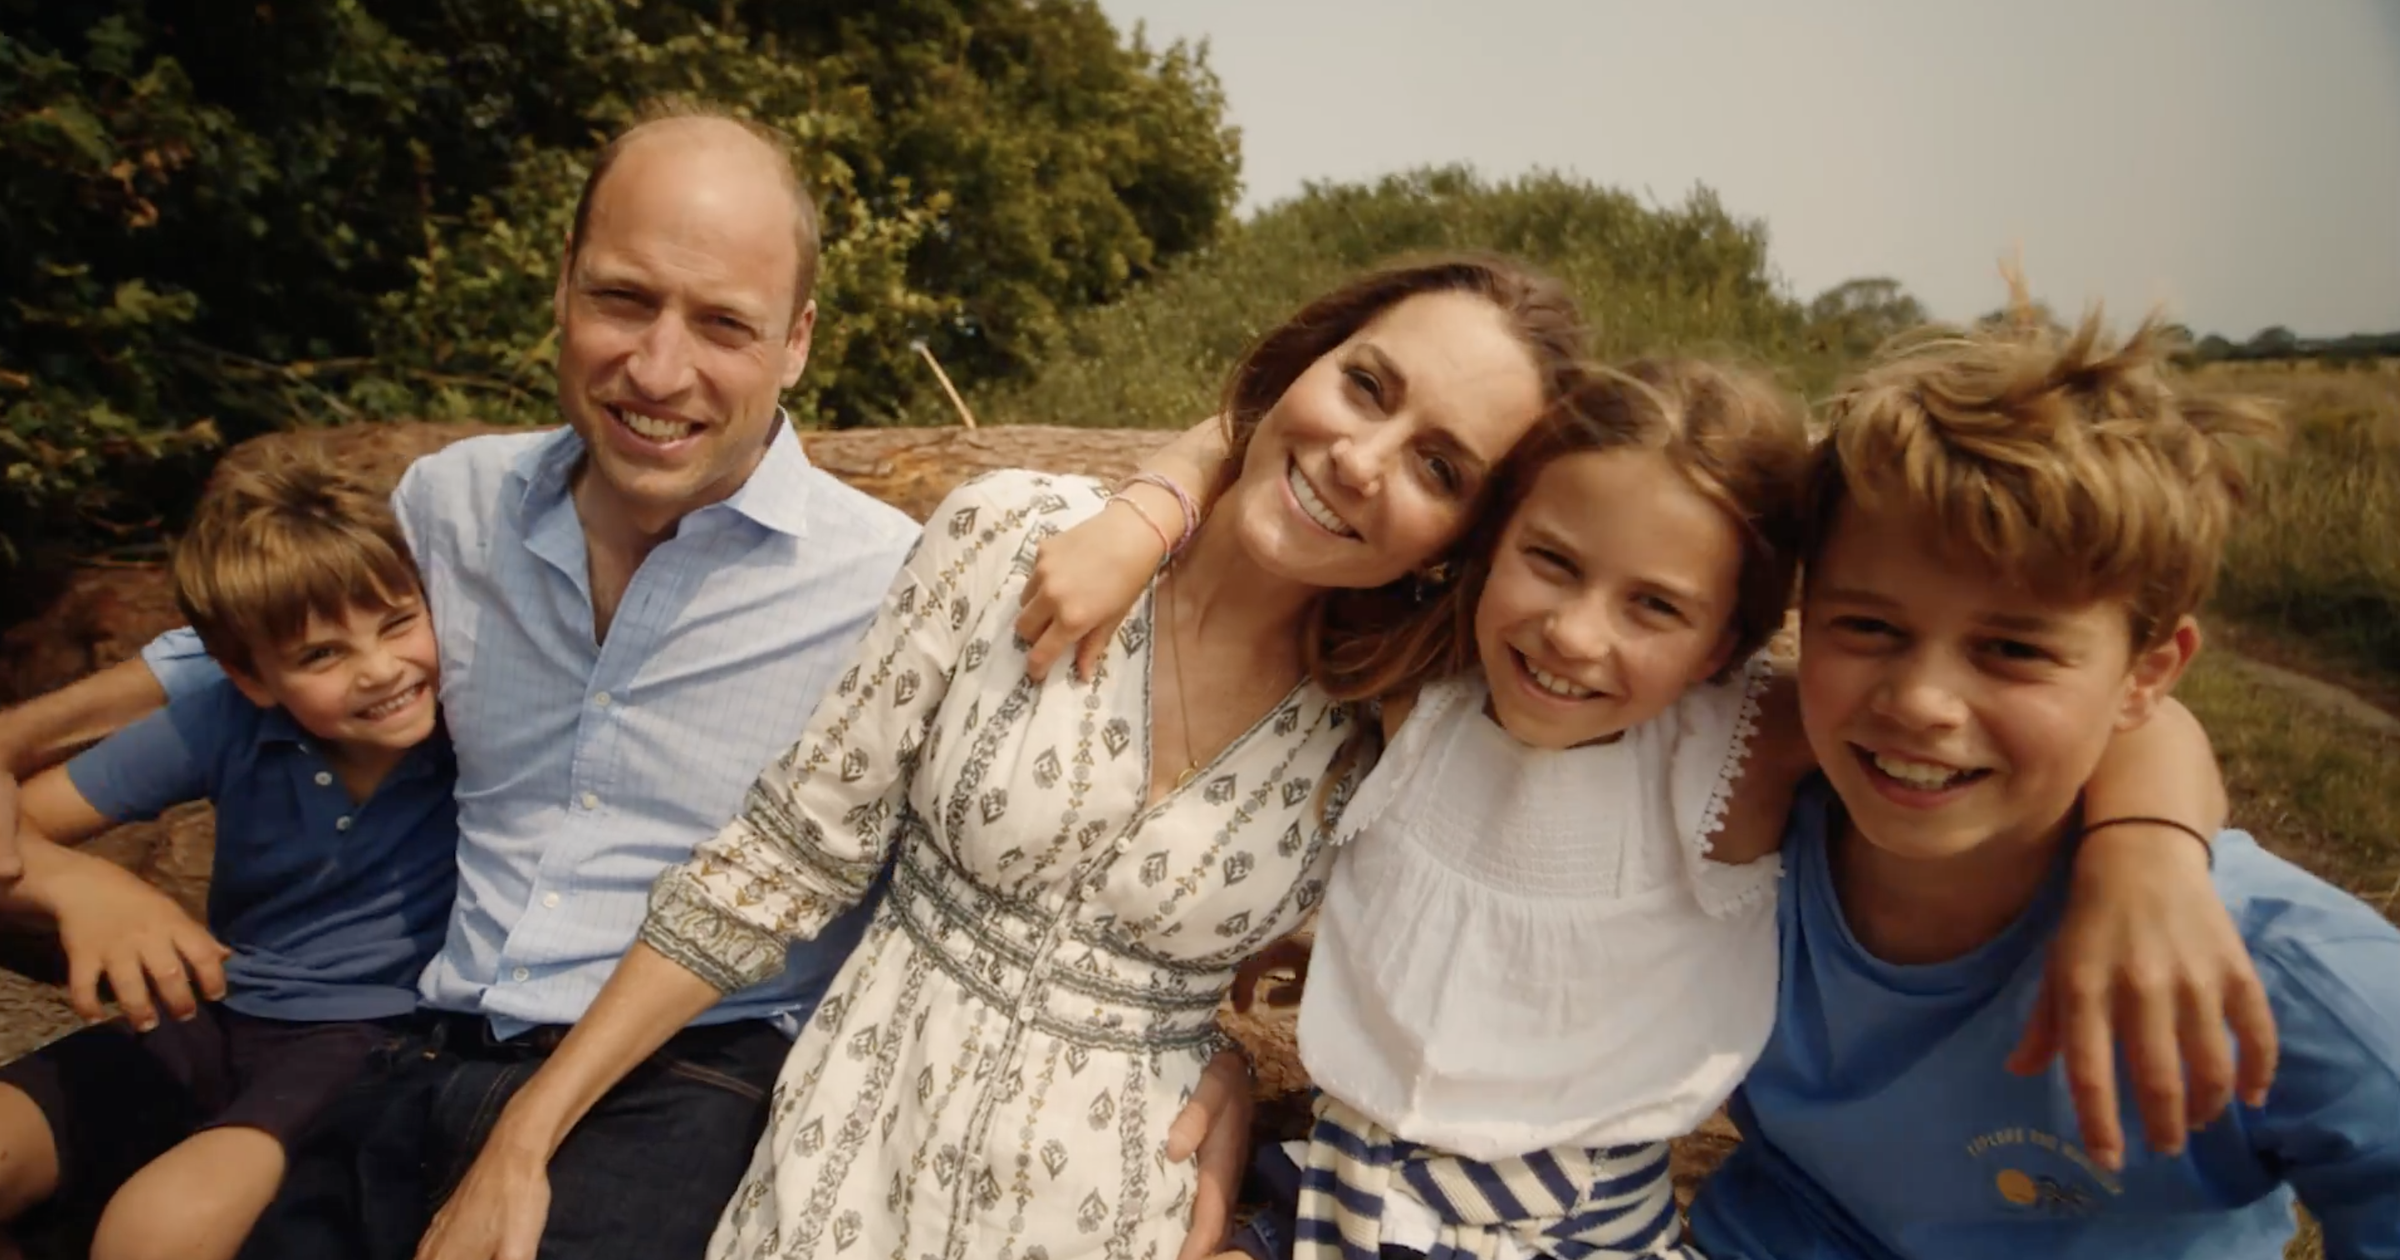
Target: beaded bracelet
(2206,846)
(1155,527)
(1191,510)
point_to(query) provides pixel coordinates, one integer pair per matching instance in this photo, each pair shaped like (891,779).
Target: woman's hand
(2149,958)
(500,1206)
(1216,1125)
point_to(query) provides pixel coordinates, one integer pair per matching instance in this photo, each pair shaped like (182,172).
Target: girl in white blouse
(1548,945)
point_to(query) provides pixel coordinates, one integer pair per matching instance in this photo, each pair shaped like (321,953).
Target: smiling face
(1373,460)
(1610,595)
(1952,708)
(364,681)
(677,328)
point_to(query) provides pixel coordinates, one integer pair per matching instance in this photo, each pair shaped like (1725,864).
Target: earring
(1429,580)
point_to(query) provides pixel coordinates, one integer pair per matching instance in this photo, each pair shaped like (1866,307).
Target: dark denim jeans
(643,1176)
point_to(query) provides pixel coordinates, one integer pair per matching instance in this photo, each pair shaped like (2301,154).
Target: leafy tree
(1849,320)
(2274,342)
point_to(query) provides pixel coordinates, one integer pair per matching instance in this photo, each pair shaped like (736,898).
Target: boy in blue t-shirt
(2011,531)
(335,866)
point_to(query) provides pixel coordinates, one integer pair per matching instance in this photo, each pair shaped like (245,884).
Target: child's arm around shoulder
(1086,579)
(110,923)
(1779,758)
(2147,960)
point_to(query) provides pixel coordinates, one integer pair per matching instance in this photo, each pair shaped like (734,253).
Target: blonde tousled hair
(2070,463)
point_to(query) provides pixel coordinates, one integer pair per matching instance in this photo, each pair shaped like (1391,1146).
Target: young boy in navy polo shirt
(335,866)
(2011,532)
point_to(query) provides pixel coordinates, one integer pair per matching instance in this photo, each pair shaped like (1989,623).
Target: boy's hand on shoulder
(2148,959)
(113,925)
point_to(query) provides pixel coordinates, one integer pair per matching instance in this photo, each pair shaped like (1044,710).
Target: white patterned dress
(993,1072)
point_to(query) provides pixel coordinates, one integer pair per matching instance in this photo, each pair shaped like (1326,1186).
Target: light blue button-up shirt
(587,768)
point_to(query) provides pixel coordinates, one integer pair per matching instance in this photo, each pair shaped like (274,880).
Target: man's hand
(499,1208)
(1216,1125)
(112,924)
(2150,959)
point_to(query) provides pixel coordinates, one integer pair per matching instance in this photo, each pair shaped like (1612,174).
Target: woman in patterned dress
(1077,867)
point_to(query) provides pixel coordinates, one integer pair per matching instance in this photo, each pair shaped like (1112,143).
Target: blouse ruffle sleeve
(1716,722)
(1402,759)
(816,826)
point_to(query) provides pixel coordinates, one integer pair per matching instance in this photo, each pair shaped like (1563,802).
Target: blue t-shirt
(332,908)
(1881,1122)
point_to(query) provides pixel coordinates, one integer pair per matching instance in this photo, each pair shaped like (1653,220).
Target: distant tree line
(2281,344)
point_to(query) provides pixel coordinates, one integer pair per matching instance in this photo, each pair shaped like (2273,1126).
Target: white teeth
(1917,773)
(1556,685)
(1314,506)
(383,709)
(652,427)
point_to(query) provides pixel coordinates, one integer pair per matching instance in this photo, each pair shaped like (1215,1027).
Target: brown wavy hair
(1363,643)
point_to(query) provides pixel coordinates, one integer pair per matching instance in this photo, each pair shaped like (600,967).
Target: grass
(2314,785)
(2312,581)
(2316,556)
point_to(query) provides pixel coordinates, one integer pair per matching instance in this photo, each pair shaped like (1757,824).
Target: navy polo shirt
(331,908)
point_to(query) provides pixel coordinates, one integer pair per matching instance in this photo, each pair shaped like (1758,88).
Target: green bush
(1686,277)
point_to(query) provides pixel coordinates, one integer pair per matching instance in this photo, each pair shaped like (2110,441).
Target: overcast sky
(2238,160)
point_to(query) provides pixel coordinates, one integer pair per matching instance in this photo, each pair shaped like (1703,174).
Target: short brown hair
(280,535)
(667,108)
(2072,465)
(1374,642)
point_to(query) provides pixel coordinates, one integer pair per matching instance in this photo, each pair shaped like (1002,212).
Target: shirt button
(342,823)
(324,778)
(520,975)
(550,901)
(601,699)
(590,801)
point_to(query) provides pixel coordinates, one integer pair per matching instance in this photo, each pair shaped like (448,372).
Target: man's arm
(49,728)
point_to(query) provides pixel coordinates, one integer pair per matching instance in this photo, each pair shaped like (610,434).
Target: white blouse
(1524,948)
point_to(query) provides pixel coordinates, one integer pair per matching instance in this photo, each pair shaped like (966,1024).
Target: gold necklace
(1183,695)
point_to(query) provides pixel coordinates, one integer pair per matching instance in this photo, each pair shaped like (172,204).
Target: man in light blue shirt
(635,613)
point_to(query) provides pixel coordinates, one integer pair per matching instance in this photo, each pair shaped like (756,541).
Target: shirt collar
(775,495)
